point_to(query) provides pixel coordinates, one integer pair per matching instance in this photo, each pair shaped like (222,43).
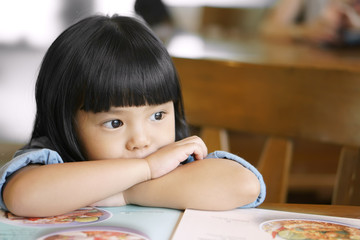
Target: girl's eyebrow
(115,110)
(124,109)
(111,111)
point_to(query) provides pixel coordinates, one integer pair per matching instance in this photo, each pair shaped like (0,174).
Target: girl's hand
(170,156)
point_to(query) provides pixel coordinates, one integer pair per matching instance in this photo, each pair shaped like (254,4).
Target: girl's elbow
(248,191)
(13,201)
(251,191)
(17,199)
(21,194)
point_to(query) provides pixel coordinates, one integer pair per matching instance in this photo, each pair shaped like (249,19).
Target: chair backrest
(7,151)
(279,101)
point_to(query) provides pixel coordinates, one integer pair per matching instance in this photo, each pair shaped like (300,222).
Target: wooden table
(254,49)
(329,210)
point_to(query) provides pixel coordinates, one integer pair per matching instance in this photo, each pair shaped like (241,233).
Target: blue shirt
(46,156)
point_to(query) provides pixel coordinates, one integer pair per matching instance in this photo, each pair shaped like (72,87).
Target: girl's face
(126,132)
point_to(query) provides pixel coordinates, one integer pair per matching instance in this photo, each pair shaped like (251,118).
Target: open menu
(261,224)
(146,223)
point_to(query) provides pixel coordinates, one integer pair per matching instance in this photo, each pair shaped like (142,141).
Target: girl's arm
(209,184)
(45,190)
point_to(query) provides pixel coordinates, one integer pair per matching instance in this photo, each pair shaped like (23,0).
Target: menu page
(254,224)
(127,222)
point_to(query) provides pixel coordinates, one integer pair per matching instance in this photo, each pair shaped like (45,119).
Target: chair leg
(274,165)
(215,138)
(347,186)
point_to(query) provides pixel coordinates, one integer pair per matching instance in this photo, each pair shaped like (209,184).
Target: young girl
(110,130)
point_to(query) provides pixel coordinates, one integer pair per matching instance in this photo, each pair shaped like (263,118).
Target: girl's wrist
(148,169)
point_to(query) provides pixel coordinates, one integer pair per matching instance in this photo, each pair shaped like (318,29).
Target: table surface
(254,49)
(329,210)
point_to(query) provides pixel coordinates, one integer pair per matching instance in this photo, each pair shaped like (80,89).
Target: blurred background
(27,28)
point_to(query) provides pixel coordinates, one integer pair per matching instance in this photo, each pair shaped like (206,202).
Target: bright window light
(34,22)
(186,45)
(110,7)
(219,3)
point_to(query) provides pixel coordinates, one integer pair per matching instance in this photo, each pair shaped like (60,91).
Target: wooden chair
(7,151)
(282,103)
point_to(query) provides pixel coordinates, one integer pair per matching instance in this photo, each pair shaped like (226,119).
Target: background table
(254,49)
(330,210)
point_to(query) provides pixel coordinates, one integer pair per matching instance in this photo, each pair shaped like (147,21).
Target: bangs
(128,71)
(130,84)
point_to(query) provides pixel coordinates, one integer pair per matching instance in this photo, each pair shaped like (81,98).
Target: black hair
(98,63)
(152,11)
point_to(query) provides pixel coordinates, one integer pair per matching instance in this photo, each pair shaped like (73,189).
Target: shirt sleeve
(27,157)
(230,156)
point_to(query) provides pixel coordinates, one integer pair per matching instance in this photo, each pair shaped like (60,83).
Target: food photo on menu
(96,233)
(292,229)
(78,217)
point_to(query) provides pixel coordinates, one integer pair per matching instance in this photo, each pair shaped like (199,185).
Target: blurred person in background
(157,16)
(320,22)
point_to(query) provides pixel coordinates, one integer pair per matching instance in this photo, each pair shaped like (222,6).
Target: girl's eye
(113,124)
(157,116)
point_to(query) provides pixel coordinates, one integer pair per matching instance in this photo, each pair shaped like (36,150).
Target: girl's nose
(138,141)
